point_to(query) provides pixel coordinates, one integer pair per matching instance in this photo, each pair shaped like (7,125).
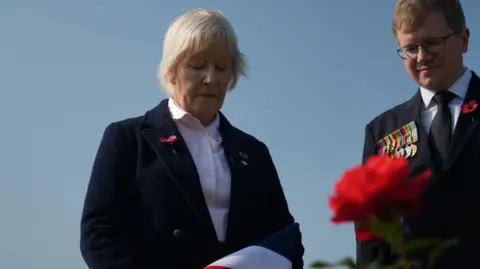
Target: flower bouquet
(376,197)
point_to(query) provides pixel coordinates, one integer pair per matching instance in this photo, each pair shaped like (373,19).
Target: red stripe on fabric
(395,139)
(404,134)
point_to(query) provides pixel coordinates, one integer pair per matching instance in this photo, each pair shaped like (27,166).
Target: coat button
(178,233)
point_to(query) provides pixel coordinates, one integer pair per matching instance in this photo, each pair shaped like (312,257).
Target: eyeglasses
(432,46)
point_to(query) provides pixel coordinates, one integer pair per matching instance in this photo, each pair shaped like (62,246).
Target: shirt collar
(179,115)
(459,88)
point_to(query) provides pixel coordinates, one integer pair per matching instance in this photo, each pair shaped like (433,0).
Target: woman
(180,187)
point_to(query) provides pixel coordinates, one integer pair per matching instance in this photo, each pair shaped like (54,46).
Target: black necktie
(441,129)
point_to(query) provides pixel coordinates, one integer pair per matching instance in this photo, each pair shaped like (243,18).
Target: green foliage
(392,232)
(344,263)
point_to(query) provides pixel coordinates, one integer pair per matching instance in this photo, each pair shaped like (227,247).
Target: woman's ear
(171,78)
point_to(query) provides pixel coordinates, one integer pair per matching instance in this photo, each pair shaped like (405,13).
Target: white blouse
(204,144)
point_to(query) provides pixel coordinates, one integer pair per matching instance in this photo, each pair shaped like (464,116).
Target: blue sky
(319,71)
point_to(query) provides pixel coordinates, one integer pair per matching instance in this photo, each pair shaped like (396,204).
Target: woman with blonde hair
(180,187)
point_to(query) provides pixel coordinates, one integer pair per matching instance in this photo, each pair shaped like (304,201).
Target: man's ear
(465,36)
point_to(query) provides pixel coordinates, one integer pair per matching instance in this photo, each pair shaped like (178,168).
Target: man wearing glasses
(438,129)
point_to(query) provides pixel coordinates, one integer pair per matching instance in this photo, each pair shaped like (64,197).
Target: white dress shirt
(459,88)
(204,144)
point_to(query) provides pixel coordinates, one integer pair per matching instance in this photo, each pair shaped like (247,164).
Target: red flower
(363,234)
(381,188)
(469,107)
(172,139)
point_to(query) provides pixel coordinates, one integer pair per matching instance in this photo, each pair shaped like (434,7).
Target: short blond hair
(411,14)
(191,32)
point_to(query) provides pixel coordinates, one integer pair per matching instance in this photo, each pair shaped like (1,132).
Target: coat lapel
(413,111)
(176,160)
(231,141)
(466,123)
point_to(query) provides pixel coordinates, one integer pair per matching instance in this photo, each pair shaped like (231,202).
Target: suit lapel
(423,160)
(231,141)
(466,123)
(176,160)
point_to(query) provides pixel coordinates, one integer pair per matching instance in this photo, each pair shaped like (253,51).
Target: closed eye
(197,67)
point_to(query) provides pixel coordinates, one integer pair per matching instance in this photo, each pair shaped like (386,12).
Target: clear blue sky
(319,71)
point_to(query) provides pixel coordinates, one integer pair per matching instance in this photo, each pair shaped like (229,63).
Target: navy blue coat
(144,206)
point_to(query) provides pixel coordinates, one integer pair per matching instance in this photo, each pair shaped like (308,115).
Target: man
(435,130)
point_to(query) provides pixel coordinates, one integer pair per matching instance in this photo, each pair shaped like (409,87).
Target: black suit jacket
(144,206)
(453,194)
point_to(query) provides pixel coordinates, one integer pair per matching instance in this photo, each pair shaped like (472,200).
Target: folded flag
(275,252)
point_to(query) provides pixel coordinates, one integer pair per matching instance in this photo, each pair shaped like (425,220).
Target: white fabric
(254,257)
(204,144)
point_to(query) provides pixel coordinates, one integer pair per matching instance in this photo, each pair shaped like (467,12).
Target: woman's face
(201,80)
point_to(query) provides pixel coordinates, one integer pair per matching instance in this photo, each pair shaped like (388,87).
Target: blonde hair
(191,32)
(411,14)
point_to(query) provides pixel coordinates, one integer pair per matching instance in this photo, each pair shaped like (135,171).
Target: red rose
(363,234)
(381,188)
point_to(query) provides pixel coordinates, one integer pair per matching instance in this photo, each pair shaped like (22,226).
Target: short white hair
(189,33)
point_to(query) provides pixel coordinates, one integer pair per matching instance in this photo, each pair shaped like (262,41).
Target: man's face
(438,61)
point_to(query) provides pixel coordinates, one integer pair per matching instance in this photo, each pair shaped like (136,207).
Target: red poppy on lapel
(170,140)
(469,107)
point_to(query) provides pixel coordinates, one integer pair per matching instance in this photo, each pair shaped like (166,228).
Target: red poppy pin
(469,107)
(170,140)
